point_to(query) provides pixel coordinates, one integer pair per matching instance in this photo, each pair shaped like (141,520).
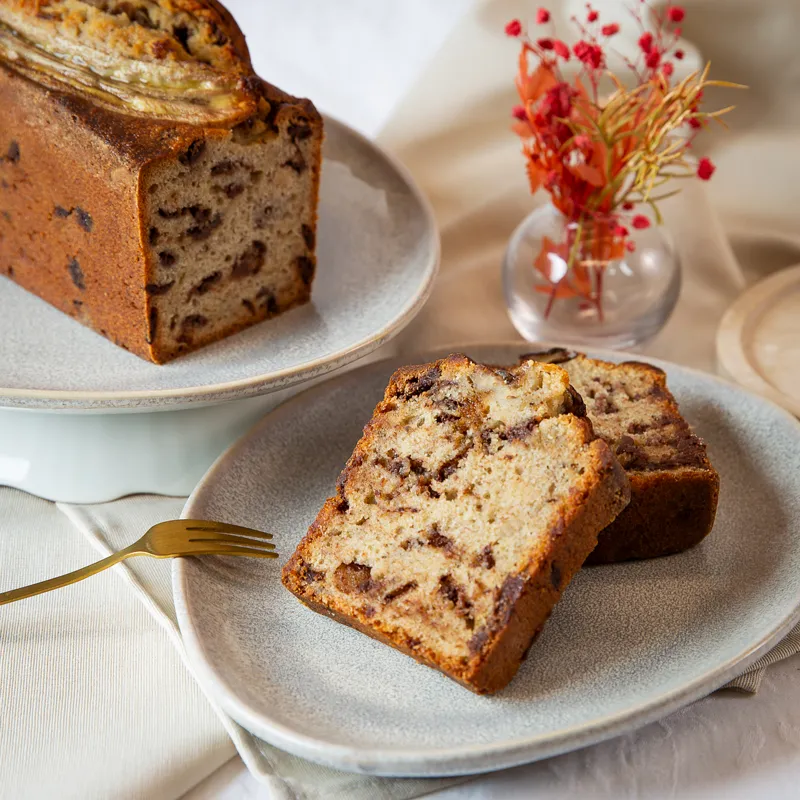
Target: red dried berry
(561,49)
(591,55)
(667,69)
(627,206)
(675,14)
(653,59)
(519,112)
(705,169)
(542,16)
(514,28)
(557,103)
(695,123)
(646,42)
(630,246)
(610,30)
(640,222)
(620,231)
(679,55)
(545,44)
(592,16)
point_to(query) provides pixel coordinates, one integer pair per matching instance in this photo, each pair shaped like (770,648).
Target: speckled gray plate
(627,644)
(378,252)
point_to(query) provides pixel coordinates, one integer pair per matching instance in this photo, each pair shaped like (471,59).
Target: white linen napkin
(94,701)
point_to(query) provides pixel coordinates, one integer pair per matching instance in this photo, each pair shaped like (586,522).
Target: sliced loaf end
(674,487)
(230,227)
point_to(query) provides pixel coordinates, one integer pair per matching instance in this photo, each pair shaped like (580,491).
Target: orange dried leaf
(616,250)
(532,85)
(523,129)
(591,175)
(536,176)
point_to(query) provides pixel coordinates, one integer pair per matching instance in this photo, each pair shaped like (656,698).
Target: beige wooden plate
(758,341)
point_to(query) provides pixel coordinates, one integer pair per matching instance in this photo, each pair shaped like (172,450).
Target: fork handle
(70,577)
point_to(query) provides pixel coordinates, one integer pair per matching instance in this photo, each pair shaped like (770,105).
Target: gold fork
(180,537)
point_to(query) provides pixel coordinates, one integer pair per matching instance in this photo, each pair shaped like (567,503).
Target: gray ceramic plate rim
(464,760)
(43,399)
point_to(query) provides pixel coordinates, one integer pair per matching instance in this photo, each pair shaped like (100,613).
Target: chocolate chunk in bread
(674,487)
(472,499)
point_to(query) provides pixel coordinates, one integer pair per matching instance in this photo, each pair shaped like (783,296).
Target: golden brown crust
(100,27)
(526,598)
(56,176)
(670,511)
(217,16)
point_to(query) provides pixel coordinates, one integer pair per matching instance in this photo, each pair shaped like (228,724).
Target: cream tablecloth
(94,701)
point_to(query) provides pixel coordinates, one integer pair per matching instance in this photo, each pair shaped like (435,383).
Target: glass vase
(580,284)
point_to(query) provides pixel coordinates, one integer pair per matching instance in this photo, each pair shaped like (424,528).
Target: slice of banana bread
(472,499)
(674,488)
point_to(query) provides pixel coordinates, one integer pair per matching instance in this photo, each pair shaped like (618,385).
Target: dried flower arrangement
(604,159)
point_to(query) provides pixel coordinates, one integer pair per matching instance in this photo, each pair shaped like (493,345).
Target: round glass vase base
(594,335)
(594,293)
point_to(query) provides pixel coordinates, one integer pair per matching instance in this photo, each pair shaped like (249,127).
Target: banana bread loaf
(674,488)
(472,499)
(151,185)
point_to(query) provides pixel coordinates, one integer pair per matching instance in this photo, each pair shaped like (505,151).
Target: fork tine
(225,527)
(235,551)
(227,538)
